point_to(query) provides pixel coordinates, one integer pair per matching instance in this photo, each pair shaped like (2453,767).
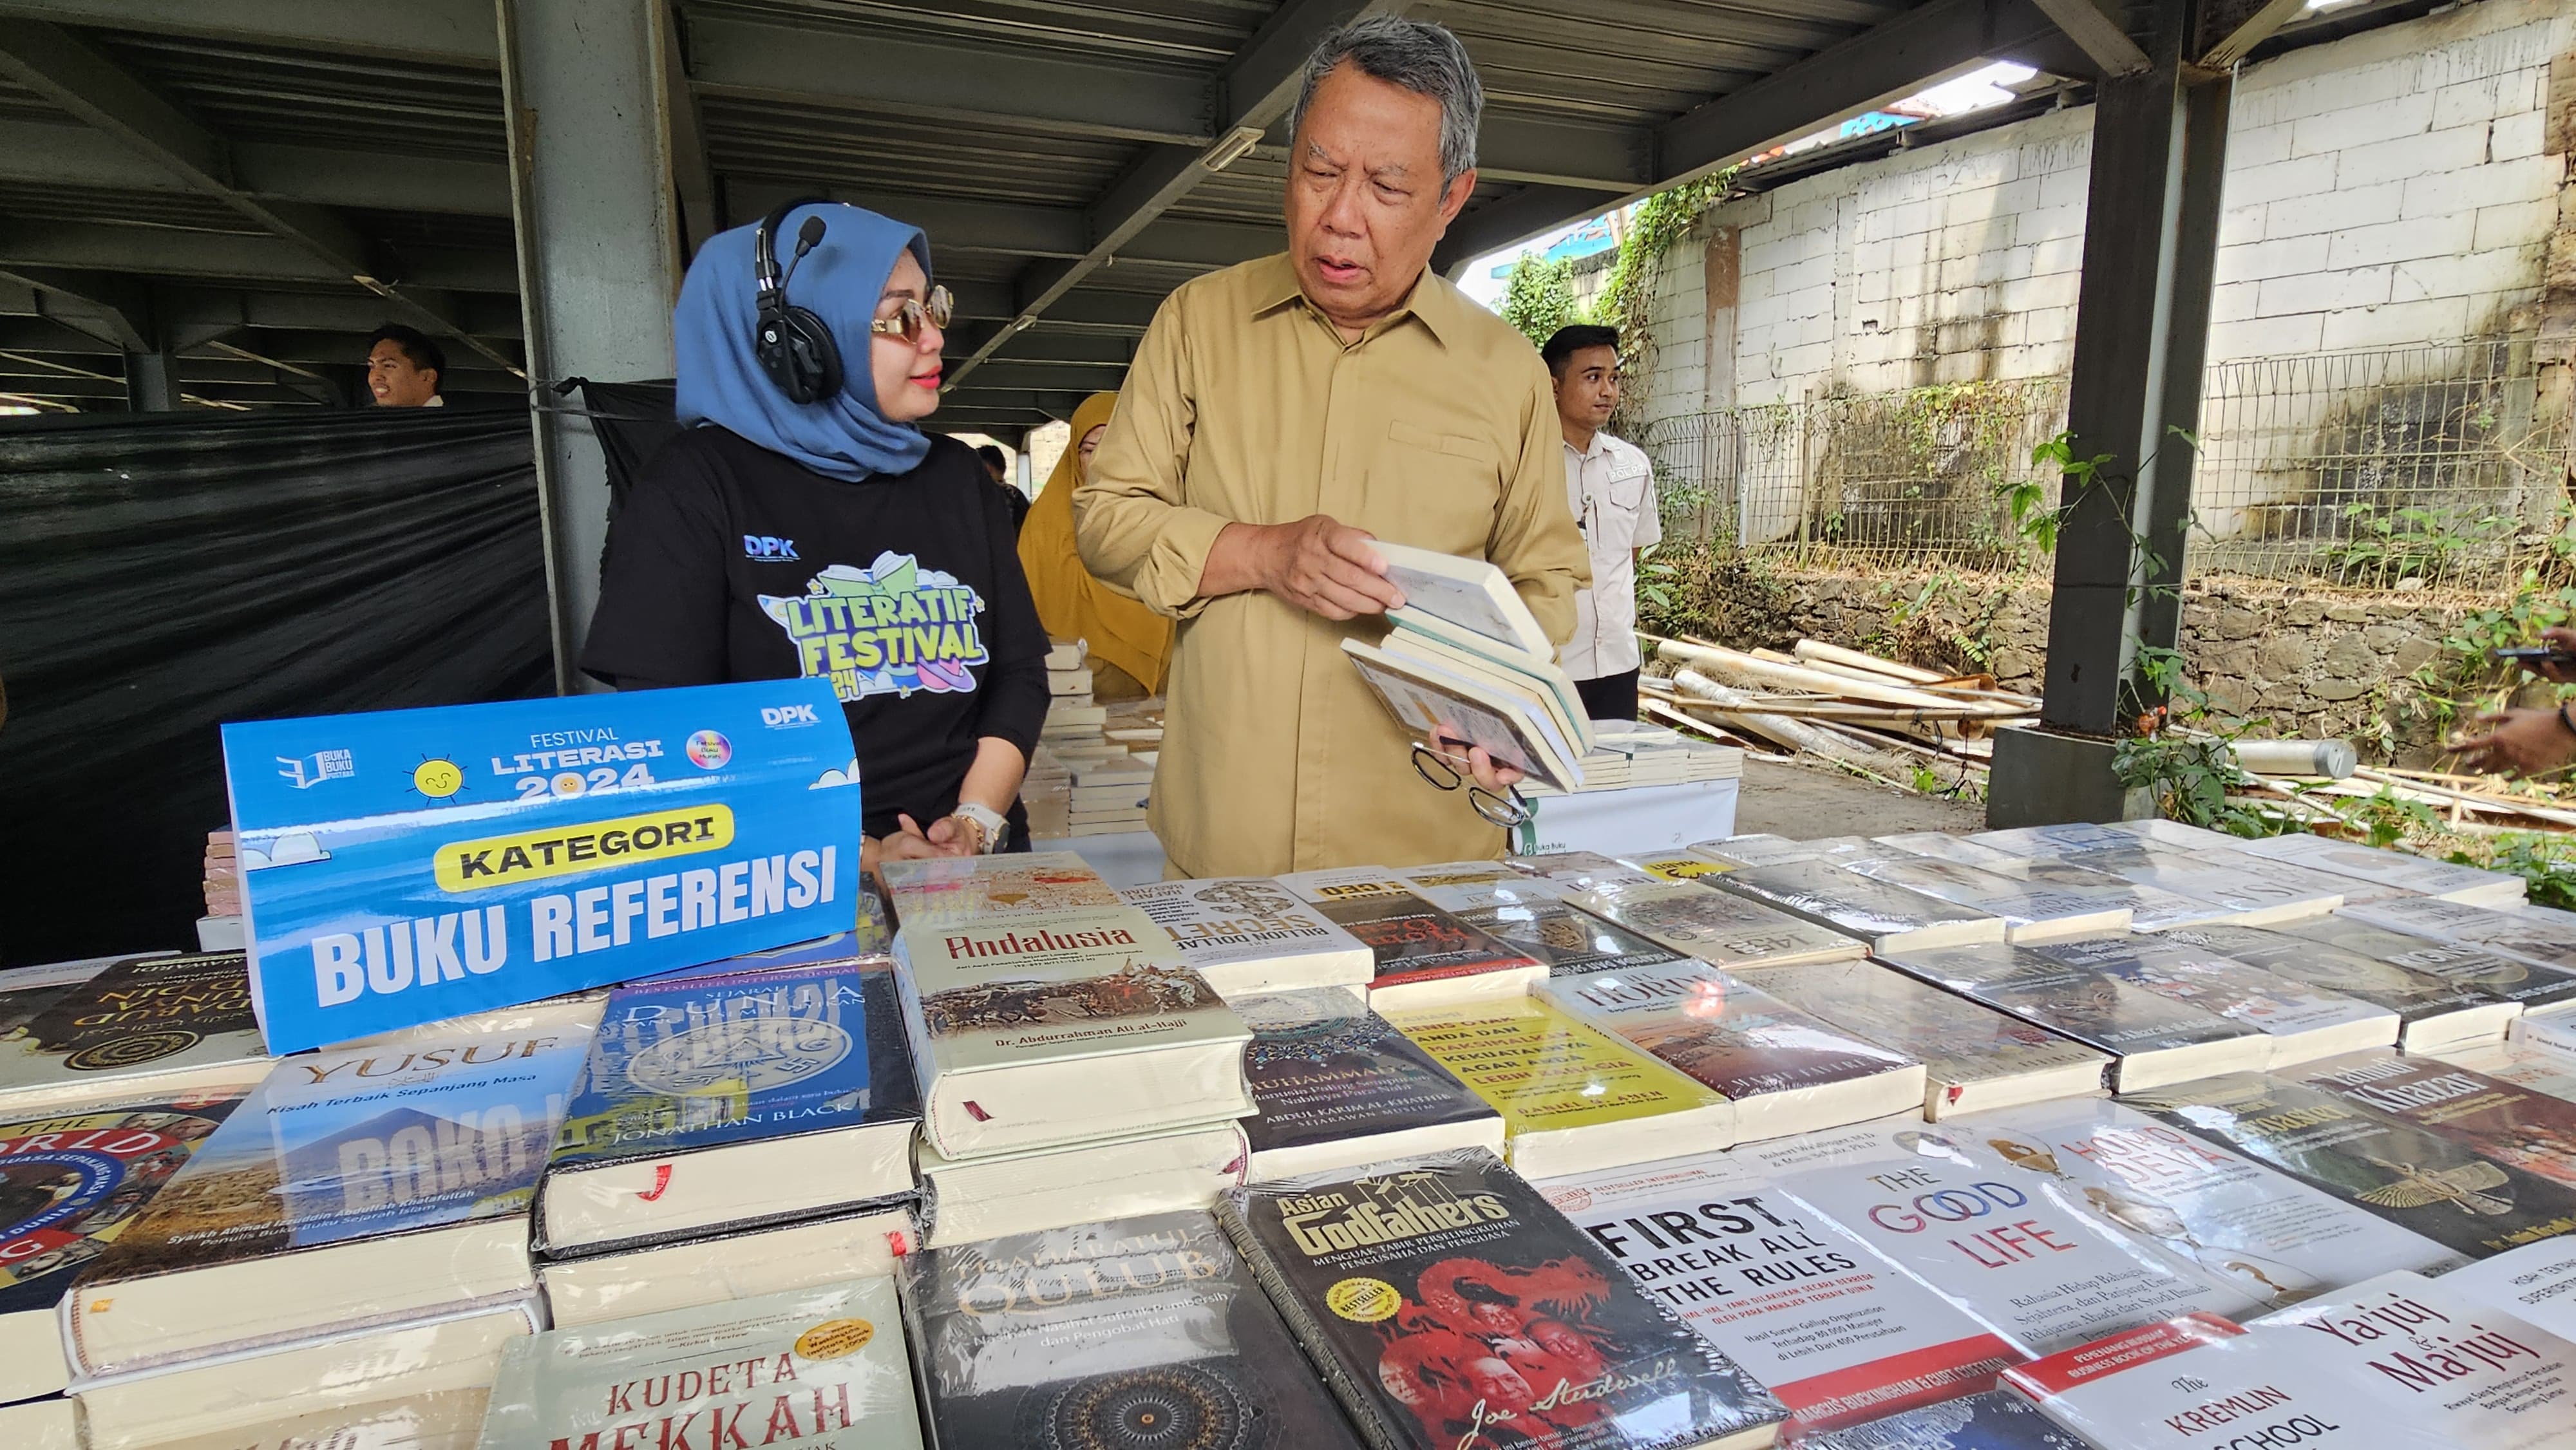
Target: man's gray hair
(1421,57)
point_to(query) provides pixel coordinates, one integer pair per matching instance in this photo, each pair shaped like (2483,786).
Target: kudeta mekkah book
(417,865)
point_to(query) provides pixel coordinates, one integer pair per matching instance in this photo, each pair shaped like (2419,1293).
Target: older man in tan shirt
(1278,416)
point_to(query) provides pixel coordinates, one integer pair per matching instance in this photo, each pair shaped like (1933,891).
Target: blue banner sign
(403,867)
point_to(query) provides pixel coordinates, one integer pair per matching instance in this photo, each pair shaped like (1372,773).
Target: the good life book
(1974,1057)
(1424,956)
(150,1024)
(733,1099)
(810,1369)
(355,1186)
(1338,1087)
(2155,1039)
(2434,1012)
(1785,1071)
(1144,1332)
(71,1182)
(1251,934)
(1837,1333)
(1573,1097)
(1037,1031)
(1452,1308)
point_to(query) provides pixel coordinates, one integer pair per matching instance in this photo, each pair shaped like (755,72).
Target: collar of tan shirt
(1432,302)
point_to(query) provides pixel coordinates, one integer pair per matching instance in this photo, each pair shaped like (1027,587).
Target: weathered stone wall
(2315,663)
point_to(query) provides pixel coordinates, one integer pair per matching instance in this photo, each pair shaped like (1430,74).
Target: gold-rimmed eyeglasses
(909,316)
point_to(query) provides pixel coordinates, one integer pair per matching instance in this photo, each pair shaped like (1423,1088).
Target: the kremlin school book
(355,1186)
(809,1369)
(1826,1325)
(732,1099)
(1338,1087)
(1033,1031)
(1573,1097)
(1139,1332)
(71,1182)
(1785,1071)
(1451,1308)
(1251,934)
(1974,1057)
(1425,957)
(141,1024)
(2444,1190)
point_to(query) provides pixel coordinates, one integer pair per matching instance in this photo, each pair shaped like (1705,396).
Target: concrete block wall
(2395,187)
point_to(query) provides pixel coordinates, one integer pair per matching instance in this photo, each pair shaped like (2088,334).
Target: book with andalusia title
(1338,1086)
(1573,1097)
(810,1369)
(1451,1308)
(1833,1330)
(1034,1031)
(733,1099)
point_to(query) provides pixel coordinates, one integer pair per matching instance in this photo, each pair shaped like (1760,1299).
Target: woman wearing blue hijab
(832,537)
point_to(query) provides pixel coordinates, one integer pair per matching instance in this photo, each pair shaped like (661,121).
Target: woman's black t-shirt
(730,562)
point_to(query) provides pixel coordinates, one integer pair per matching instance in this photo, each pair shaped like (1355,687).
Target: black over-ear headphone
(793,345)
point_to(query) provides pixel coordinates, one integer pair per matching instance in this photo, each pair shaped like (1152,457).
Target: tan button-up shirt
(1435,429)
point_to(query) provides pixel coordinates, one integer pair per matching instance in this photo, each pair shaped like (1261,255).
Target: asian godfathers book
(1828,1326)
(809,1369)
(1135,1334)
(1452,1308)
(355,1186)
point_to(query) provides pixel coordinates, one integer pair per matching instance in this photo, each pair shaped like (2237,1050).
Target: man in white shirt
(1611,488)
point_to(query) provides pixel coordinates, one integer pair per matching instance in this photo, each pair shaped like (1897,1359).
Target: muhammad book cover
(354,1186)
(2506,1122)
(1251,934)
(2417,1362)
(2303,1022)
(809,1369)
(2022,1253)
(953,890)
(1452,1308)
(2243,1223)
(149,1024)
(2441,1189)
(1140,1333)
(1718,928)
(740,1098)
(1339,1087)
(1035,1031)
(1785,1071)
(1424,956)
(2435,1011)
(1887,917)
(2031,910)
(2155,1039)
(2541,936)
(2401,870)
(1573,1097)
(1839,1335)
(1974,1057)
(72,1182)
(1995,1420)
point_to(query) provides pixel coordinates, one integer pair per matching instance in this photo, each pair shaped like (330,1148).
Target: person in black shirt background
(830,536)
(1000,469)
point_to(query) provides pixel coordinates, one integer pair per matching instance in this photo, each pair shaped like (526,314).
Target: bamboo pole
(1746,667)
(1816,651)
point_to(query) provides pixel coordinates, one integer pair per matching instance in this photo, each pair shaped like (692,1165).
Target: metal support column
(2141,332)
(152,381)
(599,252)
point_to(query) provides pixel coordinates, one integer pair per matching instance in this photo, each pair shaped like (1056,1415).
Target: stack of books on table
(1626,754)
(1068,677)
(1108,796)
(223,875)
(1072,1065)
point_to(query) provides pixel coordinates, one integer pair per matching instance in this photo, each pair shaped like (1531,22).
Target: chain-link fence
(2435,463)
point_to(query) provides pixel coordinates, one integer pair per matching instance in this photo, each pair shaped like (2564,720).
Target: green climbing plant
(1538,297)
(1655,227)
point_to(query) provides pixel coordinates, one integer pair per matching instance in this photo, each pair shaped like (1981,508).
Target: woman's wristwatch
(992,831)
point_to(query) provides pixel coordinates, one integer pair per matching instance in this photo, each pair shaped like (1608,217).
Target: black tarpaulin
(163,573)
(633,421)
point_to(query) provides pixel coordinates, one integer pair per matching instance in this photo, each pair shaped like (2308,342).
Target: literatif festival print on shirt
(891,628)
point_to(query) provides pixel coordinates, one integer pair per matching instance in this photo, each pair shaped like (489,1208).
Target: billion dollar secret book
(354,1187)
(728,1099)
(1028,1032)
(1452,1308)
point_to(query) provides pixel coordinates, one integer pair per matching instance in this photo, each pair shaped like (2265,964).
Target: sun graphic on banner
(437,779)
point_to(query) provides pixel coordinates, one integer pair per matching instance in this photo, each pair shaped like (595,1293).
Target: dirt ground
(1803,802)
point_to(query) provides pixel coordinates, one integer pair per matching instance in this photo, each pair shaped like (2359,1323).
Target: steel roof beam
(199,306)
(51,154)
(2100,36)
(442,32)
(1012,374)
(115,310)
(2233,29)
(58,66)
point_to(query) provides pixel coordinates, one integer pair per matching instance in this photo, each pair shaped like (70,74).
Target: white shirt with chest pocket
(1611,488)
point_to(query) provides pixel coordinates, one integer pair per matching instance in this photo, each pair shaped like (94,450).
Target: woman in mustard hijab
(1122,633)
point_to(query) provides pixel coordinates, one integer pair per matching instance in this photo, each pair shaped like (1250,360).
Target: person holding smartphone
(2531,742)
